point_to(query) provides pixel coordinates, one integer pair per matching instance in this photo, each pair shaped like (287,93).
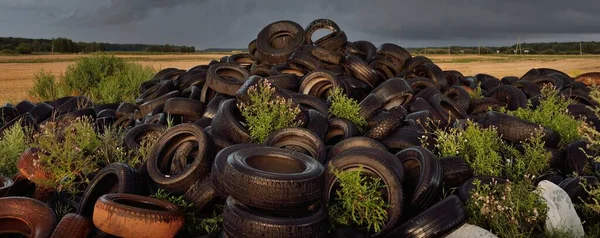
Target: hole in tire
(15,227)
(276,164)
(230,75)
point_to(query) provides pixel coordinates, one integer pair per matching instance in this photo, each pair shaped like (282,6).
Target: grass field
(16,72)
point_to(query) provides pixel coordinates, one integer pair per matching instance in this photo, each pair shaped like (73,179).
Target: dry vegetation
(16,72)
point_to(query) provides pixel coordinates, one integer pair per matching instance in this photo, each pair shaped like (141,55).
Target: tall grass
(102,78)
(12,144)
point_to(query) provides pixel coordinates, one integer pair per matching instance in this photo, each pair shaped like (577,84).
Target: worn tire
(456,171)
(226,123)
(129,215)
(436,221)
(424,175)
(293,137)
(73,225)
(235,77)
(241,221)
(340,129)
(114,178)
(517,130)
(26,216)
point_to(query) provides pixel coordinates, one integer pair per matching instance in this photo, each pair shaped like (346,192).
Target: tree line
(547,48)
(65,45)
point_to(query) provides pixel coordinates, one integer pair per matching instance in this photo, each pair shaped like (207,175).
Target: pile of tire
(282,188)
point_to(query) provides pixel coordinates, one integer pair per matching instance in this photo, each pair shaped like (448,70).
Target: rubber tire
(241,221)
(133,218)
(317,123)
(404,137)
(456,171)
(361,70)
(226,123)
(158,159)
(340,129)
(517,130)
(184,107)
(459,96)
(73,225)
(272,189)
(393,92)
(375,162)
(291,137)
(354,143)
(5,185)
(424,175)
(200,193)
(226,86)
(509,95)
(436,221)
(311,102)
(26,216)
(114,178)
(464,191)
(136,135)
(218,167)
(318,83)
(273,55)
(386,126)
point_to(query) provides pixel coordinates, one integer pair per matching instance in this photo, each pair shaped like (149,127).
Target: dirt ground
(17,72)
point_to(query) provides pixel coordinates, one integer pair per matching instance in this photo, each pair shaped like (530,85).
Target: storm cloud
(234,23)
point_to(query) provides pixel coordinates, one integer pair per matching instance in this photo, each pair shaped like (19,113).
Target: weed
(480,147)
(62,209)
(588,132)
(507,210)
(534,161)
(68,153)
(12,144)
(193,225)
(111,150)
(476,93)
(344,107)
(123,85)
(359,201)
(265,113)
(552,113)
(45,86)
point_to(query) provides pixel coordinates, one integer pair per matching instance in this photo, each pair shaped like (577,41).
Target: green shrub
(68,152)
(507,210)
(265,114)
(344,107)
(480,147)
(100,77)
(589,132)
(359,202)
(552,113)
(45,86)
(533,162)
(110,148)
(123,86)
(24,48)
(12,144)
(476,93)
(193,225)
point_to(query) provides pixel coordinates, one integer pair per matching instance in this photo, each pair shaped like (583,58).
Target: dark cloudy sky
(234,23)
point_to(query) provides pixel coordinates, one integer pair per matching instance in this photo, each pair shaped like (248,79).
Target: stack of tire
(283,187)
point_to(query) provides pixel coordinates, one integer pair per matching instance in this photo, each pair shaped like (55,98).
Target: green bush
(110,148)
(552,112)
(45,87)
(68,153)
(477,93)
(480,147)
(507,210)
(24,48)
(123,86)
(265,114)
(12,144)
(100,77)
(344,107)
(359,202)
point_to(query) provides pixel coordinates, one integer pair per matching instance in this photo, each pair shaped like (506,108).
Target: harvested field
(16,72)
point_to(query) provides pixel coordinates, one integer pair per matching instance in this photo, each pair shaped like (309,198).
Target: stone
(471,231)
(561,212)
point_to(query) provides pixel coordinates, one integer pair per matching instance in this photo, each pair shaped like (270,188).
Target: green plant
(62,209)
(68,152)
(507,210)
(266,112)
(480,147)
(123,85)
(110,148)
(101,77)
(533,162)
(552,112)
(588,132)
(12,144)
(358,202)
(45,86)
(344,107)
(193,224)
(476,93)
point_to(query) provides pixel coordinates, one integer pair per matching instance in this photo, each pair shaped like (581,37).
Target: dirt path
(17,72)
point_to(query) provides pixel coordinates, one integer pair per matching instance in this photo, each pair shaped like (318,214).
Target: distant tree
(24,48)
(36,46)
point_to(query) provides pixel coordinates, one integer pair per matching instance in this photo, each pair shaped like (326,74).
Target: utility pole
(479,48)
(580,49)
(449,50)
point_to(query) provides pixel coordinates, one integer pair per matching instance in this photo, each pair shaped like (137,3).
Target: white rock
(471,231)
(561,213)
